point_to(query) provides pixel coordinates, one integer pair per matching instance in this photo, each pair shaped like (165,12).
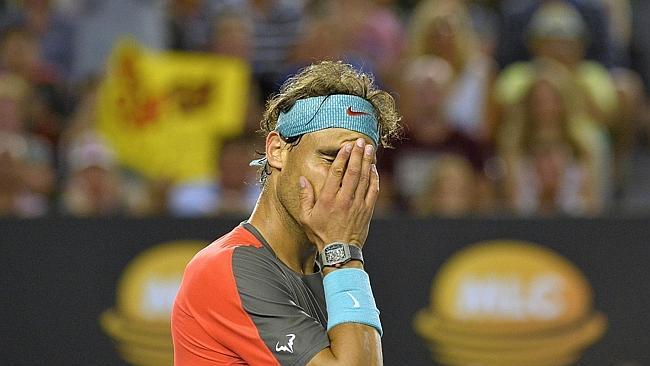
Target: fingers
(353,171)
(306,197)
(364,179)
(373,187)
(336,172)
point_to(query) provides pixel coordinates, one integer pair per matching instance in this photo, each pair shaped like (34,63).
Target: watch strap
(355,253)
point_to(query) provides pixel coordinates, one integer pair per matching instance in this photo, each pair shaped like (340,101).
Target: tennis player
(288,286)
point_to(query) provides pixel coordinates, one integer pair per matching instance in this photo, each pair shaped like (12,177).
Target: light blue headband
(332,111)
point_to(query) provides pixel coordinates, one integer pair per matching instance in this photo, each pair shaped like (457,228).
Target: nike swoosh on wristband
(350,112)
(355,303)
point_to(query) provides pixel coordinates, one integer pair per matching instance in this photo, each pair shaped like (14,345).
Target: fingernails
(368,149)
(348,147)
(303,182)
(374,168)
(360,142)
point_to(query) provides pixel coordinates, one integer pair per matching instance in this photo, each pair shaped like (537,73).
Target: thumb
(306,196)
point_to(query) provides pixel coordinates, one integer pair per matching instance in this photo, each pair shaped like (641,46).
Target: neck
(285,236)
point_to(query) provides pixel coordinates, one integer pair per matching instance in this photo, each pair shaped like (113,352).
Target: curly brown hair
(329,78)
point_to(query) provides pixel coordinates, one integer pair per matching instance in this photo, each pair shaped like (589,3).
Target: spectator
(629,87)
(233,191)
(20,55)
(443,29)
(517,16)
(101,24)
(452,189)
(557,32)
(445,83)
(238,186)
(84,118)
(94,183)
(278,24)
(93,186)
(26,161)
(232,36)
(631,114)
(485,24)
(364,33)
(429,132)
(316,42)
(370,34)
(553,157)
(189,25)
(53,32)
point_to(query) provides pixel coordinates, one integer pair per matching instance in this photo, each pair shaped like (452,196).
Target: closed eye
(328,155)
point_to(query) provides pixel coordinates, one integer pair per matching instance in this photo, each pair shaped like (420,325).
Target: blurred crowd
(512,107)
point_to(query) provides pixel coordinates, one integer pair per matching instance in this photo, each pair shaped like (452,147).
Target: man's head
(316,113)
(558,31)
(334,82)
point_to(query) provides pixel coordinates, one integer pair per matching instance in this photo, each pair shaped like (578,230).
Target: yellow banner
(166,113)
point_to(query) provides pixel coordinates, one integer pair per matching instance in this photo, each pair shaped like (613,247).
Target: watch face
(335,254)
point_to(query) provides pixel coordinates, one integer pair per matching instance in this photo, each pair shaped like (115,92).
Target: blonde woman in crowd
(555,155)
(444,29)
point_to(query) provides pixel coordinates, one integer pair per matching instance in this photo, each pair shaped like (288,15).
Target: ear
(274,149)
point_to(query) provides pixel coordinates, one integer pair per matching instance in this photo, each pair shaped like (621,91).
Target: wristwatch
(338,253)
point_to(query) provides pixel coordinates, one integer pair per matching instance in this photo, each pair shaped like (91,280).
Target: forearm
(351,344)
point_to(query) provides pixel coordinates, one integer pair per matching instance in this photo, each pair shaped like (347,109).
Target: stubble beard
(288,200)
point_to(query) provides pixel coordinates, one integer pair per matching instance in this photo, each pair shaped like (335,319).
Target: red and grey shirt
(239,304)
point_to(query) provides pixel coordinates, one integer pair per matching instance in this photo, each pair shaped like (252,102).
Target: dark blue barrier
(58,275)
